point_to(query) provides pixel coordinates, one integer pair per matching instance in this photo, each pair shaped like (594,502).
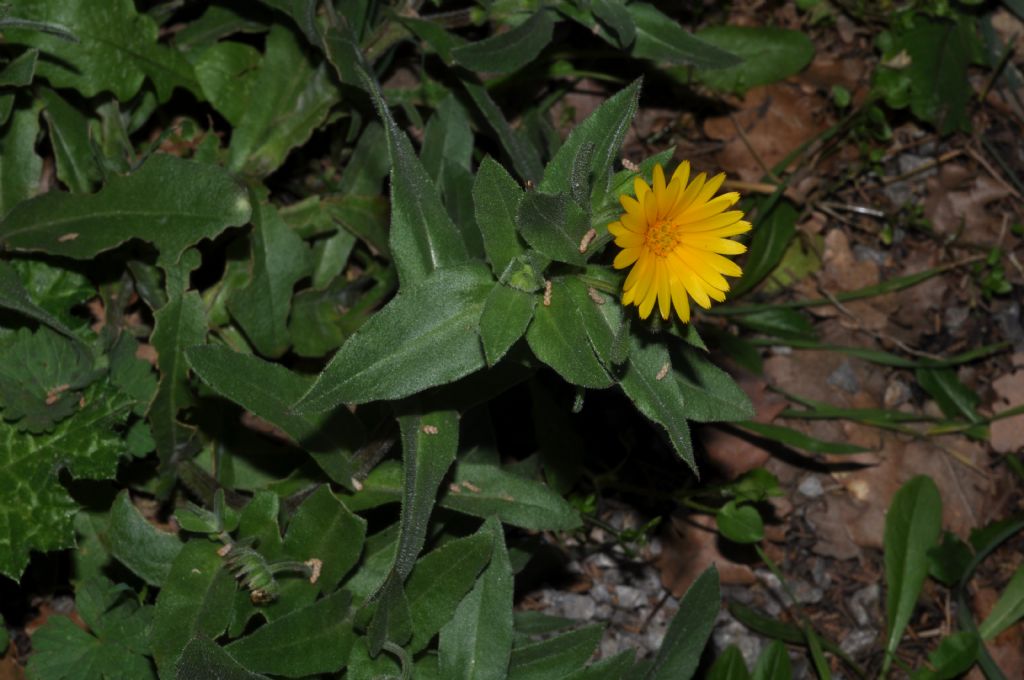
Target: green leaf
(558,337)
(496,197)
(799,440)
(689,631)
(1009,608)
(948,561)
(54,289)
(523,154)
(429,444)
(447,138)
(662,401)
(554,225)
(42,374)
(778,321)
(203,658)
(772,233)
(504,319)
(954,398)
(314,639)
(225,71)
(139,545)
(63,651)
(555,657)
(69,135)
(508,51)
(605,128)
(817,653)
(19,71)
(617,667)
(180,324)
(740,523)
(615,15)
(36,512)
(488,491)
(170,202)
(195,600)
(267,390)
(729,666)
(324,529)
(280,259)
(956,654)
(440,580)
(423,237)
(773,664)
(434,36)
(912,527)
(660,38)
(290,98)
(476,642)
(20,165)
(115,48)
(934,83)
(768,55)
(426,336)
(710,394)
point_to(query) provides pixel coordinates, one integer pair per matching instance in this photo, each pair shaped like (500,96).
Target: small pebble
(811,486)
(858,640)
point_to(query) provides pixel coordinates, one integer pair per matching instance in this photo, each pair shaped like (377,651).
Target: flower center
(663,237)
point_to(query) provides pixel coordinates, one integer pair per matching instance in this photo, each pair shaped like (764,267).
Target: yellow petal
(631,205)
(686,198)
(634,223)
(698,212)
(638,273)
(709,189)
(630,239)
(664,290)
(715,245)
(648,302)
(716,222)
(740,227)
(696,262)
(680,300)
(651,208)
(640,188)
(682,173)
(626,257)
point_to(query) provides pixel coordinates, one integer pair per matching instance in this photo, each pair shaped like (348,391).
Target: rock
(630,597)
(844,378)
(804,592)
(863,602)
(858,640)
(897,393)
(811,486)
(573,606)
(730,632)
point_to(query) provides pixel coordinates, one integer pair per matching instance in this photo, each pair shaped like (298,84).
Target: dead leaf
(733,455)
(1007,434)
(690,547)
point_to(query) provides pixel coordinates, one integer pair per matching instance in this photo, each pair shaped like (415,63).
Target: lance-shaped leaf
(476,642)
(170,202)
(506,314)
(660,38)
(139,545)
(279,260)
(290,97)
(35,510)
(195,600)
(426,336)
(558,337)
(521,152)
(429,444)
(114,49)
(14,297)
(605,129)
(423,237)
(312,640)
(496,198)
(268,390)
(508,51)
(180,324)
(72,150)
(20,165)
(554,225)
(689,631)
(650,385)
(912,528)
(440,580)
(202,657)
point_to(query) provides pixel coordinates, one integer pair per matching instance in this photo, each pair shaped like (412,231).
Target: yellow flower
(675,236)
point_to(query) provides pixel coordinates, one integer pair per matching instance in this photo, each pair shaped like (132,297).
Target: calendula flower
(675,236)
